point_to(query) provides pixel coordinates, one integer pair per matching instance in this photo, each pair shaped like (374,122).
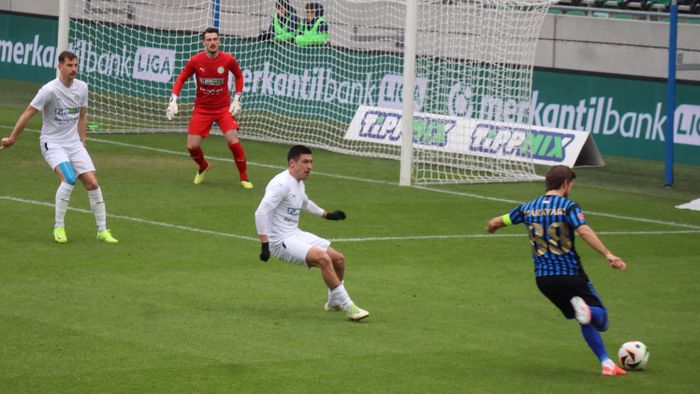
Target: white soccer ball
(633,355)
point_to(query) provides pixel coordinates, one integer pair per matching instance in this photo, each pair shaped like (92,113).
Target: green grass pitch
(182,303)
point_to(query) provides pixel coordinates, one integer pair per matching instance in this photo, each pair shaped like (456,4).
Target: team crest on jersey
(580,216)
(220,70)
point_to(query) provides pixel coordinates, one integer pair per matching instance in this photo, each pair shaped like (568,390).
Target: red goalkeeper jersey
(212,79)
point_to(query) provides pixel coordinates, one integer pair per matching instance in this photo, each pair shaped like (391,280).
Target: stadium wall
(625,113)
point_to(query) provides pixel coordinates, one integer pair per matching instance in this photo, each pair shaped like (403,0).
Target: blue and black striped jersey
(551,221)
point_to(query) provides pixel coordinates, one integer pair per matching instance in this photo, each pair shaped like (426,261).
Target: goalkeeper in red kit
(212,104)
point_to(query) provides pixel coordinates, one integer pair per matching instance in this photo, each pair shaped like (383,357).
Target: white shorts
(295,247)
(74,153)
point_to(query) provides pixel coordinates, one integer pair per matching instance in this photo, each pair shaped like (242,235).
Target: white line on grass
(137,220)
(610,215)
(363,239)
(252,163)
(466,236)
(365,180)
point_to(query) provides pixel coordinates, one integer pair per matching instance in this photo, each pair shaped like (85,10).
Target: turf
(182,303)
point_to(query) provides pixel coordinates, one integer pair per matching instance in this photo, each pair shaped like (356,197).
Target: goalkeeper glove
(335,215)
(265,251)
(172,108)
(235,107)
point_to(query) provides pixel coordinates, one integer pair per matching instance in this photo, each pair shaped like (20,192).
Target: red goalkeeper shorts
(202,120)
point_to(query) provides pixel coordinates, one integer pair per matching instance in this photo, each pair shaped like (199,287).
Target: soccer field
(183,304)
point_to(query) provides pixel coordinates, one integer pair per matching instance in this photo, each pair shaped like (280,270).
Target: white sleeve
(274,192)
(84,99)
(40,99)
(311,207)
(262,217)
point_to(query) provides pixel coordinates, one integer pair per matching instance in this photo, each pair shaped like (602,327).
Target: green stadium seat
(651,4)
(620,15)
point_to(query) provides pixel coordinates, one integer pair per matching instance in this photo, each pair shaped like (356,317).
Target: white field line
(172,152)
(363,239)
(134,219)
(610,215)
(365,180)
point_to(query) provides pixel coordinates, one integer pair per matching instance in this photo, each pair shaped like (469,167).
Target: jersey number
(558,242)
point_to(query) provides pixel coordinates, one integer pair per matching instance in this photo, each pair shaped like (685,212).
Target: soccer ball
(633,355)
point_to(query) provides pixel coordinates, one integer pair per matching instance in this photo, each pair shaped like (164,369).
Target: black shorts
(560,289)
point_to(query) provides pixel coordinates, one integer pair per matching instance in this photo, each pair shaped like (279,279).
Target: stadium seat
(651,4)
(692,6)
(621,15)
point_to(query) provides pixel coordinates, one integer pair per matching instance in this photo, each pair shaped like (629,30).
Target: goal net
(343,93)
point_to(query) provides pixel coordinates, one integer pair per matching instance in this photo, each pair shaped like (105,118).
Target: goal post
(409,86)
(469,62)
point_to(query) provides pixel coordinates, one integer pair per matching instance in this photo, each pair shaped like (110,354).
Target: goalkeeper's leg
(194,143)
(234,145)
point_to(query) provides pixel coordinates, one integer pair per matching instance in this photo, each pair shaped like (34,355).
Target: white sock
(98,208)
(330,296)
(62,198)
(608,363)
(340,296)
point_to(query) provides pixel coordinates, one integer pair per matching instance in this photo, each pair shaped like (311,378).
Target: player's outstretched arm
(591,238)
(185,74)
(494,224)
(19,127)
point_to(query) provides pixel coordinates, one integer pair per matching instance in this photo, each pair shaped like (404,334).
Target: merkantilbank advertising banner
(626,117)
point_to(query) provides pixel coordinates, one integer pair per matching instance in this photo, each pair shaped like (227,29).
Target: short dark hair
(296,151)
(557,175)
(210,30)
(317,8)
(66,55)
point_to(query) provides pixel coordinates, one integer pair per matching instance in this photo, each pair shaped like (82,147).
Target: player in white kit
(63,104)
(277,223)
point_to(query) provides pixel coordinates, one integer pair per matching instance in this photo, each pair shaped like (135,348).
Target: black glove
(265,251)
(335,215)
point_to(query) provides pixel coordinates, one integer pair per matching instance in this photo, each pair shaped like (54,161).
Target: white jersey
(60,108)
(286,197)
